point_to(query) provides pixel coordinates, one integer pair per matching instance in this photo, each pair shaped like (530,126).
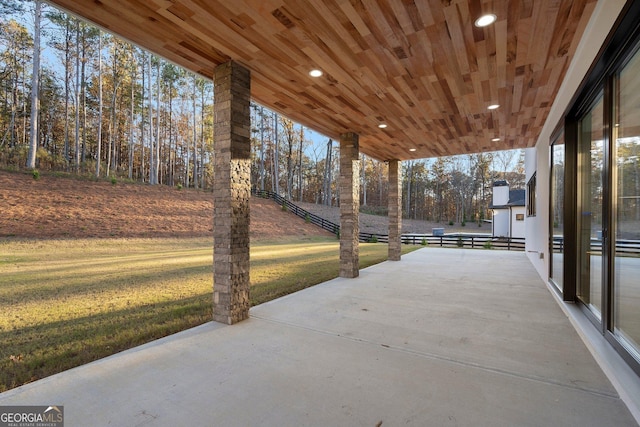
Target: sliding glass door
(591,156)
(626,206)
(595,192)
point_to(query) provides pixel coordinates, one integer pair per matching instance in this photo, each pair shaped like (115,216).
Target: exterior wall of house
(501,222)
(537,228)
(518,228)
(500,195)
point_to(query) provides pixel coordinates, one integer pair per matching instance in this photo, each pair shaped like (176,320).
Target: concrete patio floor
(446,337)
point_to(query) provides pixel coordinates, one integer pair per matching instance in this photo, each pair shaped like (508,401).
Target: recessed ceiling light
(485,20)
(412,149)
(382,125)
(315,73)
(495,139)
(493,107)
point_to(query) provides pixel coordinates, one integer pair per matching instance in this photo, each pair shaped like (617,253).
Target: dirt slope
(54,207)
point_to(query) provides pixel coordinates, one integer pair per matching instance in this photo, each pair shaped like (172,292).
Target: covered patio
(446,337)
(396,80)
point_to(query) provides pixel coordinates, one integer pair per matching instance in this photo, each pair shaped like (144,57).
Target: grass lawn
(64,303)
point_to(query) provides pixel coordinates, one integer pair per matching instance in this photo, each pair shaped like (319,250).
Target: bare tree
(153,171)
(35,88)
(290,137)
(156,155)
(76,157)
(195,131)
(133,69)
(100,106)
(300,163)
(276,157)
(326,182)
(504,159)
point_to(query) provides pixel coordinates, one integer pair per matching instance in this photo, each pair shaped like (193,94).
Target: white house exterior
(508,211)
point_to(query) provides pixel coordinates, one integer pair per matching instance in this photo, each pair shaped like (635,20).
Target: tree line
(74,99)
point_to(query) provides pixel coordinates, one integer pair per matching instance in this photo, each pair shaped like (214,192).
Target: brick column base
(349,205)
(231,193)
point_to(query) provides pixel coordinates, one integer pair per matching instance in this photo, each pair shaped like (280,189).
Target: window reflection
(627,206)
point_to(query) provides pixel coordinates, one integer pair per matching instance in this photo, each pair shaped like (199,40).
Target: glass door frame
(604,92)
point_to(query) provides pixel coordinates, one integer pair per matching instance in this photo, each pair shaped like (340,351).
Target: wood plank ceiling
(420,66)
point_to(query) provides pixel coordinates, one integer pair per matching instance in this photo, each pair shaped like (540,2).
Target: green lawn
(64,303)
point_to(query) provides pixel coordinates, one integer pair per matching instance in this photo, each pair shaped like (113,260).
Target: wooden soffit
(420,66)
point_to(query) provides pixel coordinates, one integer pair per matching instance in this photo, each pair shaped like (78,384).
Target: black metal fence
(624,247)
(471,241)
(297,210)
(460,240)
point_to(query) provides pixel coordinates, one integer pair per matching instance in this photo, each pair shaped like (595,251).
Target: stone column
(395,210)
(231,193)
(349,205)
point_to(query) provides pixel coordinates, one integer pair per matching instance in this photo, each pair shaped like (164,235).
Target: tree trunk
(290,140)
(171,154)
(195,133)
(328,165)
(131,121)
(300,164)
(83,96)
(35,88)
(142,174)
(24,102)
(380,185)
(276,165)
(67,84)
(262,148)
(112,130)
(156,169)
(152,159)
(14,110)
(77,101)
(407,205)
(202,137)
(364,180)
(112,121)
(100,106)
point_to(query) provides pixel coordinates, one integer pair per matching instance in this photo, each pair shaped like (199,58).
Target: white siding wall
(518,228)
(537,227)
(500,195)
(501,222)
